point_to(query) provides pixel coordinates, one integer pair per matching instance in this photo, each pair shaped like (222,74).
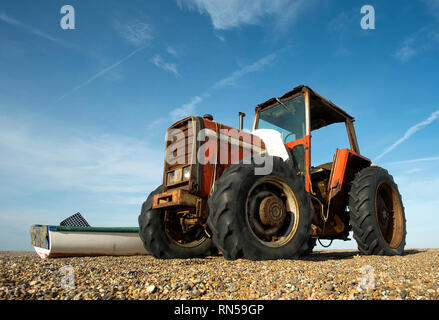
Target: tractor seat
(322,171)
(325,166)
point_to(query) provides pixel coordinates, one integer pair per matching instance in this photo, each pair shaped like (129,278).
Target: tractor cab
(295,115)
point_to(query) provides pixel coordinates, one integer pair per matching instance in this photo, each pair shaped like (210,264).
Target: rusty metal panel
(352,136)
(177,197)
(338,172)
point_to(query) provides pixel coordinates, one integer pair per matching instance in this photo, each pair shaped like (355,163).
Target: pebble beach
(324,275)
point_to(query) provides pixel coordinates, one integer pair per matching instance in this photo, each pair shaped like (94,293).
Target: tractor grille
(181,153)
(178,142)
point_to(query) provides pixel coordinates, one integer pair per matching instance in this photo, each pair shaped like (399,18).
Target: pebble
(328,287)
(403,294)
(120,297)
(331,274)
(151,289)
(232,288)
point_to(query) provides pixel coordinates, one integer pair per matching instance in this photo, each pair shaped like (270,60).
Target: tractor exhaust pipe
(241,120)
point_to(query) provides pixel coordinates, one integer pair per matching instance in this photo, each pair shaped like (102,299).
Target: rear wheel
(377,213)
(166,234)
(260,217)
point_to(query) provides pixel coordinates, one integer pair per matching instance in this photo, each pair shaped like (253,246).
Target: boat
(69,241)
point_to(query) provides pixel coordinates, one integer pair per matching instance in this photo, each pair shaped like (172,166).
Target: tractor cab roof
(323,112)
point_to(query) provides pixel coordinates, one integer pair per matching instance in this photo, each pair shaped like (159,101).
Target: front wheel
(165,236)
(260,217)
(377,213)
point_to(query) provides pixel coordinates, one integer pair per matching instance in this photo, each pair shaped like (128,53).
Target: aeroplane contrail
(410,132)
(100,73)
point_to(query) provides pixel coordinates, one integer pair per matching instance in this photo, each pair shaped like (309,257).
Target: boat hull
(59,241)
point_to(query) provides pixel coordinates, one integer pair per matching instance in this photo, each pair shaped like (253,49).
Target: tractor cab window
(287,117)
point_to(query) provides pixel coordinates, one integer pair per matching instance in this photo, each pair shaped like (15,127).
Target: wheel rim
(184,238)
(389,214)
(272,212)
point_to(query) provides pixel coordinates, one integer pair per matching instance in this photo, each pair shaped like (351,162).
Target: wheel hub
(272,211)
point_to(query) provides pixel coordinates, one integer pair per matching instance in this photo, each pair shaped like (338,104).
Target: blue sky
(83,112)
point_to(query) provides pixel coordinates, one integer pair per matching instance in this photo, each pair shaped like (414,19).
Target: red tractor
(256,196)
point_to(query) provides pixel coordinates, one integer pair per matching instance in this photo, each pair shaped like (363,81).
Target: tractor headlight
(170,179)
(174,176)
(177,175)
(186,173)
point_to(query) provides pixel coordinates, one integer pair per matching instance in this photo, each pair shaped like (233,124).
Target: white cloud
(189,108)
(412,161)
(180,112)
(49,172)
(419,42)
(138,34)
(158,61)
(172,51)
(227,14)
(411,131)
(130,201)
(220,37)
(186,109)
(407,50)
(254,67)
(419,196)
(418,182)
(41,159)
(342,28)
(414,170)
(433,7)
